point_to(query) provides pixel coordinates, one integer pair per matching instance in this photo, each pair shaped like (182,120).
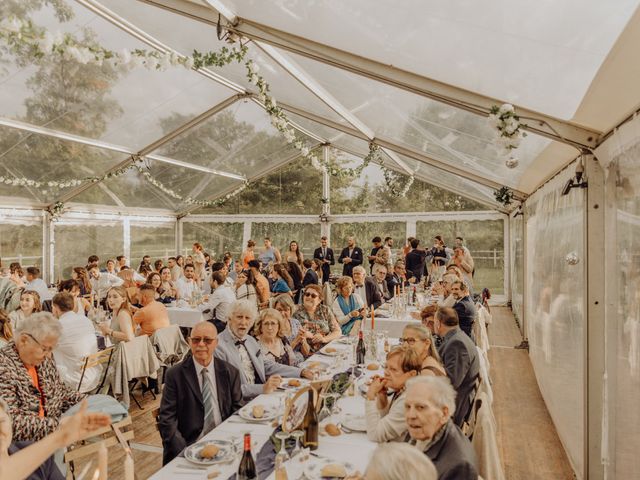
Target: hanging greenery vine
(504,196)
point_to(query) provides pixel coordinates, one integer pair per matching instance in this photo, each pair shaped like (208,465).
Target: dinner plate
(357,423)
(313,468)
(192,452)
(316,364)
(333,353)
(284,385)
(246,413)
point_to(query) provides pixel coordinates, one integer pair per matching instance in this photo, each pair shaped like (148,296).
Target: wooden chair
(102,357)
(121,432)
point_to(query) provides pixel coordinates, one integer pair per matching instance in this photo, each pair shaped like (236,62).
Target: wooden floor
(528,442)
(527,439)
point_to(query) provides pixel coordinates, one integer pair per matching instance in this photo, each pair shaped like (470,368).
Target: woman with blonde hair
(348,307)
(419,338)
(6,332)
(399,461)
(29,304)
(121,327)
(130,285)
(273,343)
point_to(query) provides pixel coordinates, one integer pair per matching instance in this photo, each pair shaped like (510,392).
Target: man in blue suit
(236,347)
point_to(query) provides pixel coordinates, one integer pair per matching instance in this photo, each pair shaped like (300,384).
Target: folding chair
(95,359)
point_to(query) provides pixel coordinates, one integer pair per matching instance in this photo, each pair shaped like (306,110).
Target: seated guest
(101,282)
(366,288)
(81,275)
(236,270)
(296,274)
(318,324)
(282,281)
(418,337)
(273,343)
(36,284)
(399,277)
(245,286)
(29,379)
(34,461)
(187,284)
(153,315)
(380,280)
(29,304)
(111,267)
(81,305)
(157,265)
(176,264)
(310,275)
(428,318)
(145,262)
(154,280)
(464,307)
(17,274)
(76,341)
(262,284)
(429,406)
(199,393)
(460,359)
(385,418)
(348,307)
(6,332)
(168,290)
(257,373)
(442,289)
(399,461)
(290,326)
(121,327)
(316,266)
(219,301)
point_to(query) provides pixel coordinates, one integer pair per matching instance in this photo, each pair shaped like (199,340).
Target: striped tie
(207,401)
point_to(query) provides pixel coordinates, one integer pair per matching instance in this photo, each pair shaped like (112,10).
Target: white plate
(285,383)
(192,452)
(316,364)
(270,412)
(344,340)
(335,352)
(313,468)
(357,423)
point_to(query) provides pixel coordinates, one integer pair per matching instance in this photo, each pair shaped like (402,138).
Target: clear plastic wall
(516,225)
(21,240)
(555,307)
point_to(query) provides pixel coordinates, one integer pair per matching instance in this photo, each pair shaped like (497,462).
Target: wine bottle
(310,425)
(361,350)
(414,298)
(247,467)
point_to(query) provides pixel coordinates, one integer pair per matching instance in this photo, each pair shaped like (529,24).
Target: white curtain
(517,271)
(555,306)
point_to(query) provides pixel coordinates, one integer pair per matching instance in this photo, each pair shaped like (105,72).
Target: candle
(102,461)
(373,316)
(128,468)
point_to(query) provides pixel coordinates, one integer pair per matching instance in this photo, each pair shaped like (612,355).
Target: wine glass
(335,409)
(282,455)
(297,436)
(326,411)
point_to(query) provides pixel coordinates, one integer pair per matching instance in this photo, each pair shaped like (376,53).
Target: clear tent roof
(60,120)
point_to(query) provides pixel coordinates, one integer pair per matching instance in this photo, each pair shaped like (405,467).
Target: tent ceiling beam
(23,126)
(158,143)
(402,150)
(263,173)
(538,123)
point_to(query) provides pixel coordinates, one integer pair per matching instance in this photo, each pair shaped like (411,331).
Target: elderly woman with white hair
(29,381)
(258,373)
(399,461)
(430,402)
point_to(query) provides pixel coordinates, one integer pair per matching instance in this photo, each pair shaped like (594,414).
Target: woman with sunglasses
(319,325)
(419,338)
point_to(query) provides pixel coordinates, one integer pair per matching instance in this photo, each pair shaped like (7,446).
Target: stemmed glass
(335,409)
(283,455)
(297,436)
(326,411)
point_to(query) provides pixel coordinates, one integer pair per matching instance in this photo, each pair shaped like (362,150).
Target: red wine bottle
(310,425)
(361,350)
(247,467)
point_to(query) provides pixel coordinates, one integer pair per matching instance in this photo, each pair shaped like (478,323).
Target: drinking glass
(335,409)
(297,436)
(282,455)
(326,411)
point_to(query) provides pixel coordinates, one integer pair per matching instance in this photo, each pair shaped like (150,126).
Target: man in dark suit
(464,307)
(415,260)
(460,360)
(400,276)
(366,288)
(380,279)
(350,257)
(429,404)
(324,253)
(310,277)
(199,393)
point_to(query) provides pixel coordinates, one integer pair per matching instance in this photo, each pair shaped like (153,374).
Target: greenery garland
(504,196)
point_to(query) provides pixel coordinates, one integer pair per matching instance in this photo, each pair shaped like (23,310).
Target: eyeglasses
(411,341)
(269,324)
(205,340)
(312,295)
(42,347)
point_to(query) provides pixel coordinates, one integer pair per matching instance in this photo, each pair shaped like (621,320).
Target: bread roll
(257,411)
(334,470)
(332,429)
(209,452)
(294,382)
(330,350)
(373,366)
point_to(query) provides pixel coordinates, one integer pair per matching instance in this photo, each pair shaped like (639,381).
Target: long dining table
(353,448)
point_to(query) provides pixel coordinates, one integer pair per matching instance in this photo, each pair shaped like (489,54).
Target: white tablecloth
(394,325)
(184,316)
(353,447)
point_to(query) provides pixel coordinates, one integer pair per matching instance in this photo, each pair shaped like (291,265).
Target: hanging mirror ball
(572,258)
(511,162)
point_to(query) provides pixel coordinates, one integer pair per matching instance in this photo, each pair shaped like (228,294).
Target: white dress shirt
(38,285)
(220,301)
(186,288)
(104,282)
(217,416)
(78,339)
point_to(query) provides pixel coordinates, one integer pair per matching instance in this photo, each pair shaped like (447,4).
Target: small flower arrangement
(507,125)
(504,196)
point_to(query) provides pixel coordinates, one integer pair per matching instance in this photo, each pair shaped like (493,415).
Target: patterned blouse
(322,321)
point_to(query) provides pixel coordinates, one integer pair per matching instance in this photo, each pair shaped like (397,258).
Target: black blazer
(453,455)
(356,259)
(414,262)
(326,267)
(394,281)
(181,410)
(310,278)
(374,297)
(461,362)
(466,311)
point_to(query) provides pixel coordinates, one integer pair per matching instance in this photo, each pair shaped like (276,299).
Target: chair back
(102,357)
(170,345)
(140,358)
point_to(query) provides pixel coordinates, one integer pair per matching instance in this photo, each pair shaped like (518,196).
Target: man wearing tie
(258,374)
(324,253)
(199,394)
(350,257)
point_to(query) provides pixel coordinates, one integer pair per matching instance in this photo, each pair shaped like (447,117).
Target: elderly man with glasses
(29,380)
(199,393)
